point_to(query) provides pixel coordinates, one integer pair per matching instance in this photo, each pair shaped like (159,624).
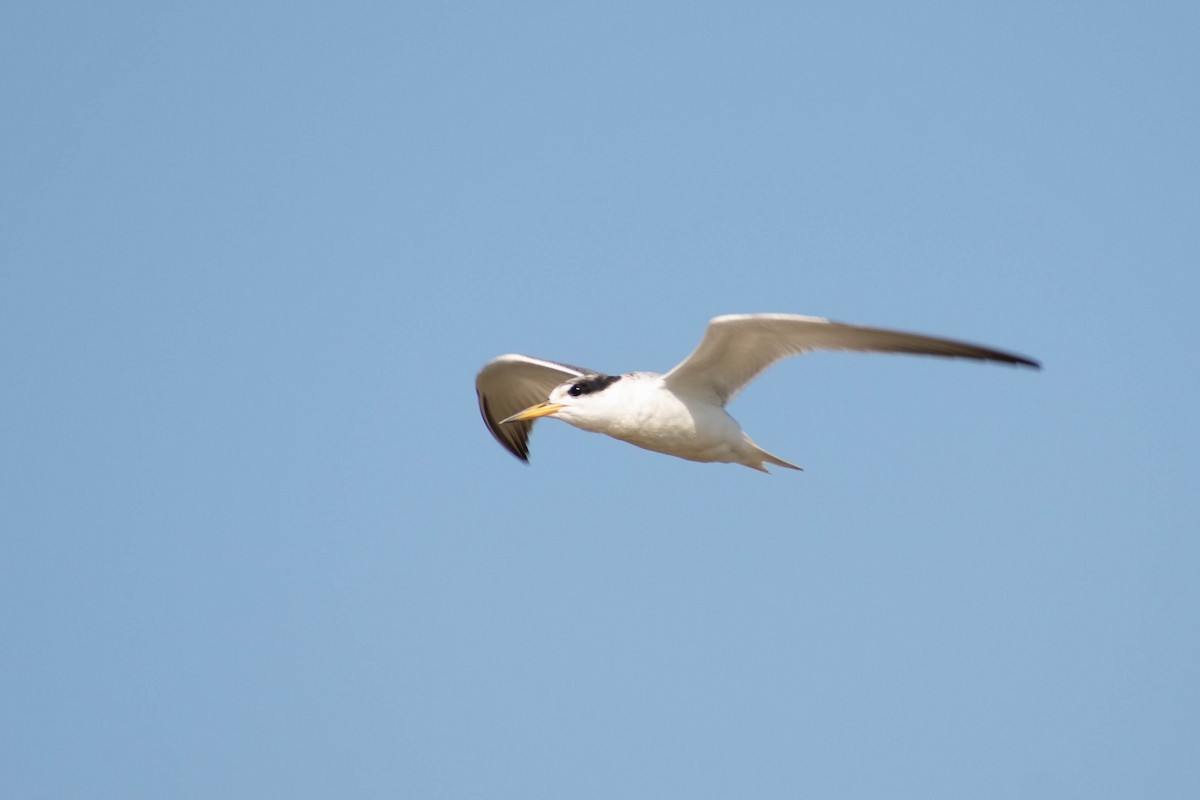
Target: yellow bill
(533,412)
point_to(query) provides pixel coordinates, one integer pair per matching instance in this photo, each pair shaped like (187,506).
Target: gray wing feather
(511,383)
(737,347)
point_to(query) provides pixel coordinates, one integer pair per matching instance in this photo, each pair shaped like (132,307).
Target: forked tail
(762,455)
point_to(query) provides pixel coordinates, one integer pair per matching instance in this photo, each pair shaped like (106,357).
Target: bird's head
(575,401)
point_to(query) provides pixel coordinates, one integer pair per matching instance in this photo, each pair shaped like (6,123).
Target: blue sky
(257,542)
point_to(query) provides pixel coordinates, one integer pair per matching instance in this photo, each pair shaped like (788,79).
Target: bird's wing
(737,347)
(512,383)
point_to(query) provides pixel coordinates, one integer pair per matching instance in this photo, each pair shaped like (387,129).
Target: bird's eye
(576,390)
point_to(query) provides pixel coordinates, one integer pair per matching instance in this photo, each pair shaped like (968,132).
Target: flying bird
(682,413)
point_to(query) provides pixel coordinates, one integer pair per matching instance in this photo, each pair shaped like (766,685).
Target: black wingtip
(518,445)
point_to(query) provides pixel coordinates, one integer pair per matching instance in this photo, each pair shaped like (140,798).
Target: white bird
(682,413)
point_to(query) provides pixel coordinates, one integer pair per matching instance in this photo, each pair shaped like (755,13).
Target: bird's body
(642,409)
(682,412)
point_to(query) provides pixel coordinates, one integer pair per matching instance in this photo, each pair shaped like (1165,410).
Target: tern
(682,412)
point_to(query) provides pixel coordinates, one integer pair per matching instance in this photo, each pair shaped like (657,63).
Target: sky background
(258,543)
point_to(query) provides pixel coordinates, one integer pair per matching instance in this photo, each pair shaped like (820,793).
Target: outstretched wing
(737,347)
(512,383)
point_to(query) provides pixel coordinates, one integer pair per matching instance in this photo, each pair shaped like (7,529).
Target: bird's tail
(763,455)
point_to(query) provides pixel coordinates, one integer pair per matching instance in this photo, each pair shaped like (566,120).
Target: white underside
(640,410)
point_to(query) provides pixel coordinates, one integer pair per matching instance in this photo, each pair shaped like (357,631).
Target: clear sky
(257,542)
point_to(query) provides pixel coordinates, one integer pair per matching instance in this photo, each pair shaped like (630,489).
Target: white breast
(642,411)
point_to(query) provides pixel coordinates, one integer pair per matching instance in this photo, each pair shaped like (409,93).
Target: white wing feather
(737,347)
